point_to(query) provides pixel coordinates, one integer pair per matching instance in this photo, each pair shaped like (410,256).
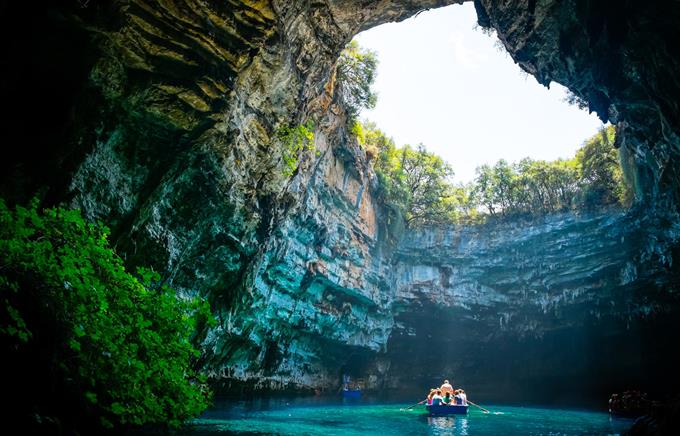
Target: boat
(350,388)
(446,409)
(351,393)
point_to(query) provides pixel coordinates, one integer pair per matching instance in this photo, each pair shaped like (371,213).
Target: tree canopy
(356,69)
(601,174)
(591,179)
(415,181)
(419,184)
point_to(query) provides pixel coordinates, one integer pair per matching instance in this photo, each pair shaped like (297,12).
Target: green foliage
(86,337)
(426,183)
(390,193)
(575,100)
(527,187)
(415,184)
(462,205)
(357,131)
(591,179)
(601,173)
(356,70)
(296,142)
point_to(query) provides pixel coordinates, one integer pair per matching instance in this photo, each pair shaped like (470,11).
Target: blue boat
(351,393)
(447,409)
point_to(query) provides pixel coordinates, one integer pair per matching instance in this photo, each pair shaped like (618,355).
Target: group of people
(351,385)
(445,394)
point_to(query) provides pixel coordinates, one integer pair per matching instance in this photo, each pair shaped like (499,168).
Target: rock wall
(561,309)
(159,118)
(317,290)
(167,132)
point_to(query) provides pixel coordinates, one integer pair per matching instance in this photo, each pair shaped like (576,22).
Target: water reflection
(448,425)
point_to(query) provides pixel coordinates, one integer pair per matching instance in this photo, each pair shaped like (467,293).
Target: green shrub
(86,338)
(296,142)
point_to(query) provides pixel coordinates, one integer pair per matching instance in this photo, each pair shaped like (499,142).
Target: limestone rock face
(565,305)
(160,118)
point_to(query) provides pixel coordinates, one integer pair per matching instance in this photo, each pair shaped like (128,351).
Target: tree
(462,204)
(545,187)
(485,189)
(503,179)
(575,100)
(601,176)
(427,180)
(416,185)
(82,337)
(356,69)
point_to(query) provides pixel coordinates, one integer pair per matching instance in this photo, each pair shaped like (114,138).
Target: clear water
(333,417)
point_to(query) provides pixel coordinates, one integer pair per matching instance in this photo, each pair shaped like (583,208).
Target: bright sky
(442,83)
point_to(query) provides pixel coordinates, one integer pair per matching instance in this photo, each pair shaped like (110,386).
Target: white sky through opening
(443,83)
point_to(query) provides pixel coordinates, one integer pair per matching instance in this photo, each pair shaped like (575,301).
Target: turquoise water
(323,417)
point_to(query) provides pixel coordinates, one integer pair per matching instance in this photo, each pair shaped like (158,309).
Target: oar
(411,407)
(477,405)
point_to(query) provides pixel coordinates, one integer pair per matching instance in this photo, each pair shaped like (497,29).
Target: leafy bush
(83,337)
(296,141)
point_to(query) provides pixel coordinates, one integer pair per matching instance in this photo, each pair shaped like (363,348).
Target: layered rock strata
(161,119)
(565,308)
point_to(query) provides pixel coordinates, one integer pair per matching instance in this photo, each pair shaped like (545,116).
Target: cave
(160,120)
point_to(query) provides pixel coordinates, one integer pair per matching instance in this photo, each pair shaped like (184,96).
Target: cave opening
(574,331)
(442,81)
(223,145)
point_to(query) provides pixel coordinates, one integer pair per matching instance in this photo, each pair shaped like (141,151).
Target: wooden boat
(351,393)
(447,409)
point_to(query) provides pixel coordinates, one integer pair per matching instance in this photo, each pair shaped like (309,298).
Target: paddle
(476,405)
(411,407)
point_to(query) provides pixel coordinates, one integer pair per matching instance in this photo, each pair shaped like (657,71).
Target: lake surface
(314,416)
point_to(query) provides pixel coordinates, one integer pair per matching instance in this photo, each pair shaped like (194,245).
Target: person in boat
(446,387)
(437,398)
(613,402)
(448,399)
(457,398)
(430,395)
(463,397)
